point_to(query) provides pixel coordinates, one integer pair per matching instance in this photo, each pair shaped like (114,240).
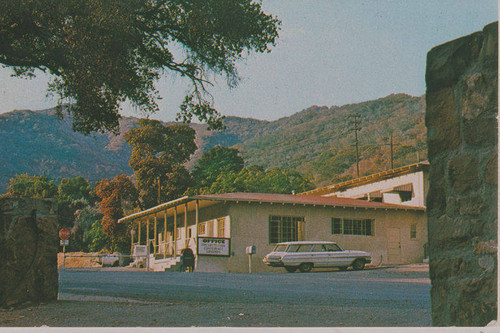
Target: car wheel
(358,264)
(305,267)
(291,269)
(343,268)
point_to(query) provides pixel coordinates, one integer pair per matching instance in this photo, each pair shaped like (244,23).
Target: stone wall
(461,120)
(28,251)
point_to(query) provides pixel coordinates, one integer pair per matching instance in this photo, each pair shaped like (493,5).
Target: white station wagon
(306,255)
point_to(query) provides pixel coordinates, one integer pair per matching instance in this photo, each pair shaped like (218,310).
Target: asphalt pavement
(387,296)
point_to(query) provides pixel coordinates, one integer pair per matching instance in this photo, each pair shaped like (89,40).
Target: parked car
(306,255)
(109,259)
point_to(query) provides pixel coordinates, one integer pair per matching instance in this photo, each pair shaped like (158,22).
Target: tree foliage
(117,196)
(75,189)
(86,233)
(32,187)
(158,155)
(73,194)
(256,179)
(214,162)
(102,52)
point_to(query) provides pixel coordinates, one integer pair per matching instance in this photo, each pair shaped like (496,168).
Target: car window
(293,248)
(280,248)
(318,248)
(332,247)
(304,248)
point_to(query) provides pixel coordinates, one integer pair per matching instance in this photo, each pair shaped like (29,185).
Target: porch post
(186,241)
(175,232)
(132,238)
(147,245)
(155,237)
(196,219)
(147,233)
(197,216)
(139,232)
(165,235)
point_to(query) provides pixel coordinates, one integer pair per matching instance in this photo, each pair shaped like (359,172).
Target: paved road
(374,297)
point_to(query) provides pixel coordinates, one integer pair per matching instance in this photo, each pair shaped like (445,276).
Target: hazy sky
(330,52)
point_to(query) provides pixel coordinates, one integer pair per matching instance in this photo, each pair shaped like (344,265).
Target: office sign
(211,246)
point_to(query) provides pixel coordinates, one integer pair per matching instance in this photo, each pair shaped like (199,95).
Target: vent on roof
(375,196)
(404,188)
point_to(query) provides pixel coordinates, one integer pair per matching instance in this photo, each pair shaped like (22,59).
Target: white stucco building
(383,214)
(407,185)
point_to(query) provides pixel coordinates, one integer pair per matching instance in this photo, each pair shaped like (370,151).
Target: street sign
(64,234)
(64,242)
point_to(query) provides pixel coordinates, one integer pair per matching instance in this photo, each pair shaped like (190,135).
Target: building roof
(300,199)
(404,170)
(282,199)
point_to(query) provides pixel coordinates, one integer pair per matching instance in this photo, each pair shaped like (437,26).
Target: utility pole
(355,123)
(392,144)
(392,154)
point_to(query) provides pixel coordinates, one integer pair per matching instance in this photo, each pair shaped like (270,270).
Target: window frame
(221,227)
(413,231)
(352,227)
(278,232)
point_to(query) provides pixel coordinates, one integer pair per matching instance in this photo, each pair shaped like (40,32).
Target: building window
(336,226)
(221,230)
(405,196)
(352,227)
(413,231)
(210,229)
(201,228)
(285,228)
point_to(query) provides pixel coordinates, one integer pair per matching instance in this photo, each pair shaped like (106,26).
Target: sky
(330,52)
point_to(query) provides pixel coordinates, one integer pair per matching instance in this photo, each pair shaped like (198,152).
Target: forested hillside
(321,140)
(316,141)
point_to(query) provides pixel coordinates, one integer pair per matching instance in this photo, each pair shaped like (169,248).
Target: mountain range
(318,141)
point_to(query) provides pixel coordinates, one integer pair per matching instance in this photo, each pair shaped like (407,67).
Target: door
(393,246)
(318,256)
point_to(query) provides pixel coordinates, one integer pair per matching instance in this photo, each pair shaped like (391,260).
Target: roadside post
(64,241)
(250,250)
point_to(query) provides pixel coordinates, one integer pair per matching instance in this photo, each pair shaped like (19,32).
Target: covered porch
(169,228)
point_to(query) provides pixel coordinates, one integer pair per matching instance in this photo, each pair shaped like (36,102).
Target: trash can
(187,260)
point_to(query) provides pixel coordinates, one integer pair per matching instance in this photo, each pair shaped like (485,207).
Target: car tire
(291,269)
(343,268)
(358,264)
(305,267)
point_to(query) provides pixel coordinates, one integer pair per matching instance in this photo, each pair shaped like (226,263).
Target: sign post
(250,250)
(64,236)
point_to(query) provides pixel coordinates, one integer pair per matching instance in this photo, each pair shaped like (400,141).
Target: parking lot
(385,296)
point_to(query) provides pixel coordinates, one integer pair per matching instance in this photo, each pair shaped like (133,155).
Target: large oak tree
(158,156)
(103,52)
